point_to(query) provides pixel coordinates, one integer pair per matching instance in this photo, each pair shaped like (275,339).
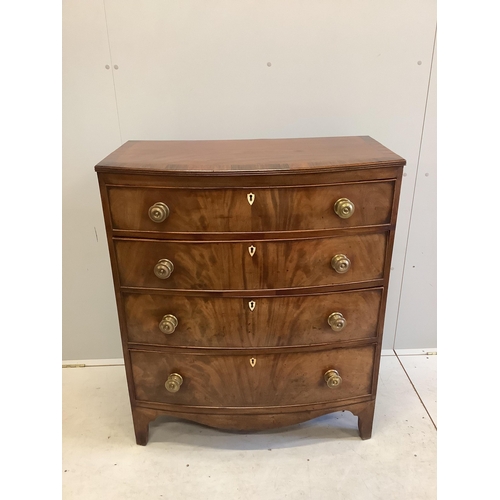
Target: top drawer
(250,209)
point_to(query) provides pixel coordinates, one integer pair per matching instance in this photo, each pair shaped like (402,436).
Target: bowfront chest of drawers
(251,276)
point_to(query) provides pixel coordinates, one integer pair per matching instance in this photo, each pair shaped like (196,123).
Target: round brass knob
(168,324)
(341,263)
(344,208)
(337,321)
(158,212)
(332,379)
(174,382)
(163,269)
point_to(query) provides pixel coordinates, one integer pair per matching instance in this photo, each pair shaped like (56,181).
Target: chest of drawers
(251,276)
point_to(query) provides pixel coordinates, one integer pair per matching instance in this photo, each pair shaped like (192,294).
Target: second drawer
(251,265)
(251,322)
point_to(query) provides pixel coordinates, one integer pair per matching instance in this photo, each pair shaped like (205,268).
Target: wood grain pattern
(365,419)
(252,422)
(255,156)
(116,285)
(229,322)
(227,210)
(142,417)
(295,232)
(255,421)
(229,266)
(216,380)
(246,180)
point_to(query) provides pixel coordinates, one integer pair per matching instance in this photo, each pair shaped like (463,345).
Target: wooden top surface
(254,156)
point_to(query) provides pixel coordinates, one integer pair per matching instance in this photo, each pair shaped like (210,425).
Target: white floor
(323,459)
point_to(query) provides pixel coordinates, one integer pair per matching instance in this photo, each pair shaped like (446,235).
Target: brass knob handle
(163,269)
(168,324)
(332,379)
(341,263)
(337,321)
(344,208)
(174,382)
(158,212)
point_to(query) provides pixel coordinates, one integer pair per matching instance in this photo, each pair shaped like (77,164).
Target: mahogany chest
(251,276)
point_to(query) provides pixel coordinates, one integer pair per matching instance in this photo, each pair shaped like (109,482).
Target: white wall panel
(90,132)
(199,70)
(417,319)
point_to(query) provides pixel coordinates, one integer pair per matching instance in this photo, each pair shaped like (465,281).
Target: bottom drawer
(246,380)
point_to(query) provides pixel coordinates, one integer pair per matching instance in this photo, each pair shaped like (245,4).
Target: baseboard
(387,352)
(81,363)
(430,351)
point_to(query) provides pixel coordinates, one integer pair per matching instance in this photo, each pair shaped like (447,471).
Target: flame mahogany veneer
(253,328)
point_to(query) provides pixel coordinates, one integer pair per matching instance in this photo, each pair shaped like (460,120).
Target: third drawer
(221,322)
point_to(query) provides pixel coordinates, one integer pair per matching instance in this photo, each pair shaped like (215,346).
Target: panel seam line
(112,70)
(414,191)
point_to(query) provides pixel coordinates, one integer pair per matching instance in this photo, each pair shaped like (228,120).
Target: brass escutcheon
(251,250)
(252,305)
(250,198)
(252,362)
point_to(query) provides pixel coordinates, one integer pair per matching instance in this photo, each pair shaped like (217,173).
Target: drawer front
(229,210)
(246,322)
(274,380)
(247,265)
